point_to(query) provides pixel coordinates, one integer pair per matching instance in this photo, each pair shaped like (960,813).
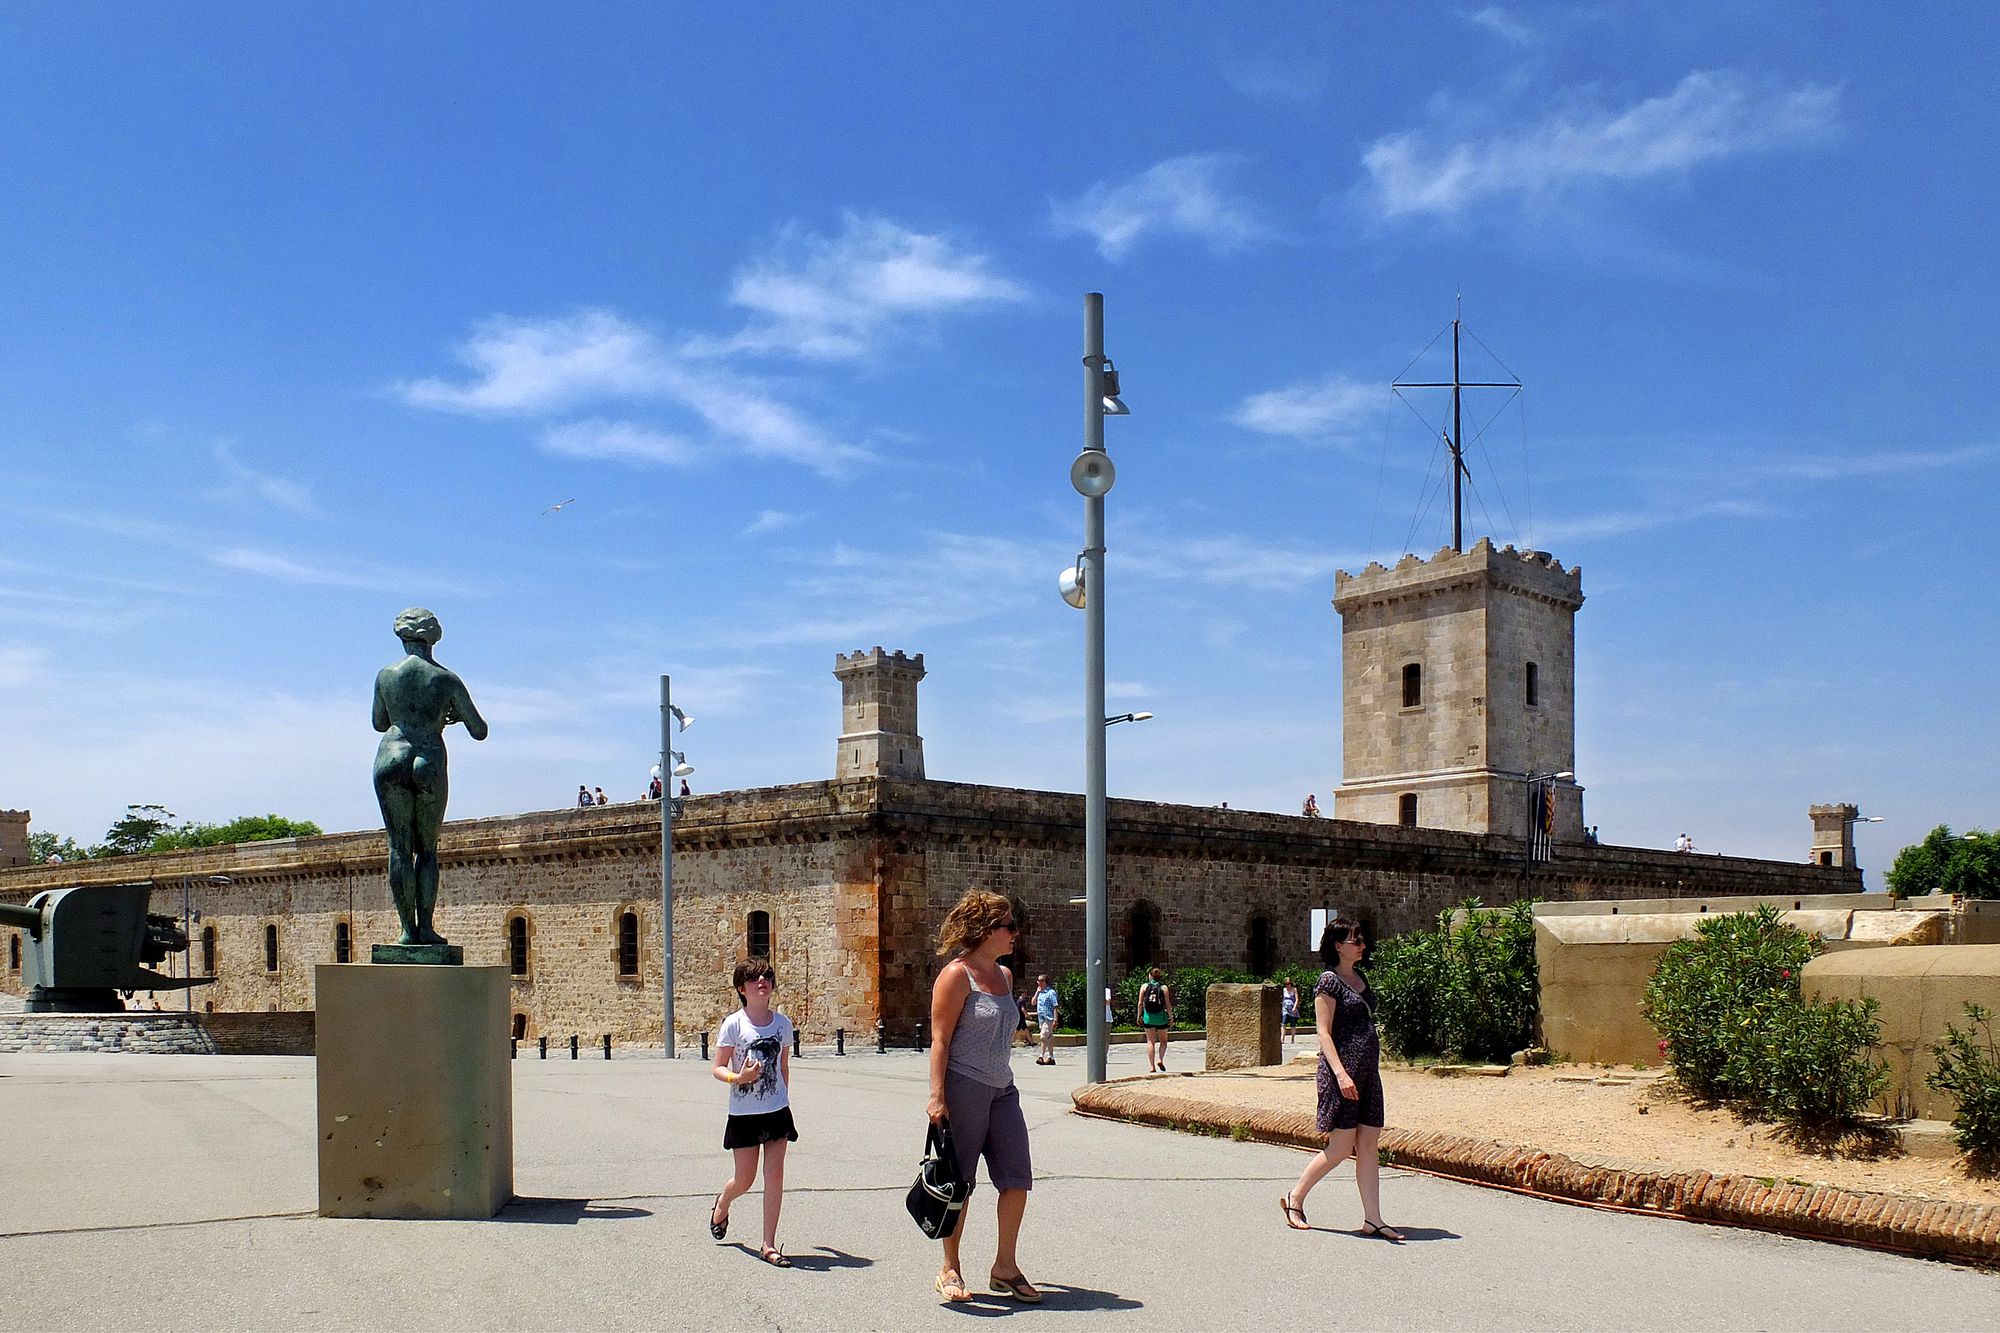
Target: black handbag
(939,1194)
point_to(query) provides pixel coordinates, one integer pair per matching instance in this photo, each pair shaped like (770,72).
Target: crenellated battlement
(1536,573)
(874,659)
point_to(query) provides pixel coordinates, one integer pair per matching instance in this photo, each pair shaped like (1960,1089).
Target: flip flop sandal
(956,1284)
(774,1257)
(719,1230)
(1382,1229)
(1291,1211)
(1016,1286)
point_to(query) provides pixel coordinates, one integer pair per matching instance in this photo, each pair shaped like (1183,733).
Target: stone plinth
(1921,991)
(1243,1027)
(416,1097)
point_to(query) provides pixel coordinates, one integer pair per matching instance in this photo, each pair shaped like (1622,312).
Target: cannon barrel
(27,918)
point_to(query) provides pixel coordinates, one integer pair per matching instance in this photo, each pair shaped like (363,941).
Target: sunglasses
(1009,924)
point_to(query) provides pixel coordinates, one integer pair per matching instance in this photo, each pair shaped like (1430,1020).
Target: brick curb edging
(1967,1232)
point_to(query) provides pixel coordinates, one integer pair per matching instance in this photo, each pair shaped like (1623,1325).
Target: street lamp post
(669,757)
(1083,586)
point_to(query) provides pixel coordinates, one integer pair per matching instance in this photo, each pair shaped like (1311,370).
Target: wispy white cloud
(834,297)
(537,366)
(1886,463)
(1229,560)
(1501,24)
(240,480)
(1182,196)
(619,440)
(1549,532)
(1272,79)
(1333,408)
(770,520)
(1709,116)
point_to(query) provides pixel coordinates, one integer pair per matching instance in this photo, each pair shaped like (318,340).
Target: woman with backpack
(1156,1016)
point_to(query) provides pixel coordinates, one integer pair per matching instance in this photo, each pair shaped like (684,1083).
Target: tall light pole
(669,715)
(1092,475)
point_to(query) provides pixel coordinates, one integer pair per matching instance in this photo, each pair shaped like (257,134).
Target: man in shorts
(1045,1018)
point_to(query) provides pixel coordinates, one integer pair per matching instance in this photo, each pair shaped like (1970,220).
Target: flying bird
(552,508)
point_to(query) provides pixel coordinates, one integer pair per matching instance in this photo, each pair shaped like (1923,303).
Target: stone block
(1243,1027)
(416,1096)
(1921,991)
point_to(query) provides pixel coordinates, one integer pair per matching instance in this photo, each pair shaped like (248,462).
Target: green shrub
(1190,986)
(1468,990)
(1709,998)
(1735,1028)
(1968,1067)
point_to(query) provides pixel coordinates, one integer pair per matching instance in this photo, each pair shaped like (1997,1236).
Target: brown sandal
(952,1287)
(1291,1211)
(1016,1286)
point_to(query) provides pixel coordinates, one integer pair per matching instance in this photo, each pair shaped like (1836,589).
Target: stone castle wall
(856,877)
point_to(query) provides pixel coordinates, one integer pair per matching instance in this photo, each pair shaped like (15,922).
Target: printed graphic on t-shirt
(764,1050)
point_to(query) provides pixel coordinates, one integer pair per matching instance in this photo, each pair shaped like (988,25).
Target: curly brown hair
(978,914)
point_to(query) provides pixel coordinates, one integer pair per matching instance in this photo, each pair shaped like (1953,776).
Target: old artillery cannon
(88,943)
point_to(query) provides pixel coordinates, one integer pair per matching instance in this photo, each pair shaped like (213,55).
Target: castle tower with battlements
(878,716)
(14,838)
(1459,690)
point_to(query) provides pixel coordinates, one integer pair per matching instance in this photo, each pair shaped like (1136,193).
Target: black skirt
(747,1131)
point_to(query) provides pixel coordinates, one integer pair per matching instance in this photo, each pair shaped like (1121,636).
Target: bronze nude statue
(415,700)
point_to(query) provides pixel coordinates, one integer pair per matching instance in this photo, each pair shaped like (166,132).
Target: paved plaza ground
(178,1192)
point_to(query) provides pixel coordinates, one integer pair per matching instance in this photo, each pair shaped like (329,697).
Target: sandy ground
(1618,1117)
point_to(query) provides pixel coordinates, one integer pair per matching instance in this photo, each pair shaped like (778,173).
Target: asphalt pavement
(178,1192)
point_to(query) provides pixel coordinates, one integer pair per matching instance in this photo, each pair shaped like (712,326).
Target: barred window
(208,951)
(343,943)
(1413,685)
(757,941)
(628,944)
(1534,685)
(270,947)
(517,945)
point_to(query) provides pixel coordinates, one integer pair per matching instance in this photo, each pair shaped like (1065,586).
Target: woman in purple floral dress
(1350,1081)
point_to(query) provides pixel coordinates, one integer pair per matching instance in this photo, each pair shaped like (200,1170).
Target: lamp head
(1092,474)
(1071,584)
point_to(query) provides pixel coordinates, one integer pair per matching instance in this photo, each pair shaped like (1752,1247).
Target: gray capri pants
(987,1121)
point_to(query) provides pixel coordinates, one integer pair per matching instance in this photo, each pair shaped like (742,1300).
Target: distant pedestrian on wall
(583,797)
(1156,1016)
(601,798)
(1311,807)
(1350,1081)
(973,1017)
(653,789)
(753,1055)
(1684,843)
(685,789)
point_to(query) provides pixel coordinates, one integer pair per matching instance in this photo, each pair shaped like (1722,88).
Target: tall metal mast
(1455,438)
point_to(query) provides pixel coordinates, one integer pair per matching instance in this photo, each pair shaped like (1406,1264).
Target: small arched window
(628,944)
(1825,859)
(517,945)
(520,1027)
(1534,685)
(1406,810)
(1413,684)
(270,947)
(343,943)
(208,951)
(1263,946)
(757,940)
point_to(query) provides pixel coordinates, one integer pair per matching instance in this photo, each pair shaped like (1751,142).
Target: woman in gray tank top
(973,1020)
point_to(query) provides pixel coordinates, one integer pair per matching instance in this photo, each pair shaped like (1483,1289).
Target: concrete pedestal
(416,1095)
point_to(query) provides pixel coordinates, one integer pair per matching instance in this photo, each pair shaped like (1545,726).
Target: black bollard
(881,1038)
(607,1045)
(572,1046)
(795,1041)
(704,1046)
(513,1047)
(543,1043)
(840,1041)
(920,1037)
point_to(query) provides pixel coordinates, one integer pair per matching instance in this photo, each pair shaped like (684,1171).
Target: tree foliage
(244,828)
(1946,862)
(46,847)
(135,831)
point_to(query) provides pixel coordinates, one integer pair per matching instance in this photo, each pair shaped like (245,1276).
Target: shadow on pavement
(988,1305)
(824,1258)
(565,1212)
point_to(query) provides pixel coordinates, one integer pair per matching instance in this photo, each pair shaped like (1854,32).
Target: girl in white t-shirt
(753,1055)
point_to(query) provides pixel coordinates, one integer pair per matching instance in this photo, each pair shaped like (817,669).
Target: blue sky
(310,314)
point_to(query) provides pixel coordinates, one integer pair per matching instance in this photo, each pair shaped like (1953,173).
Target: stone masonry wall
(856,877)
